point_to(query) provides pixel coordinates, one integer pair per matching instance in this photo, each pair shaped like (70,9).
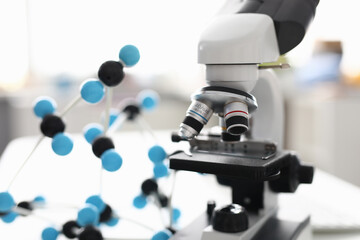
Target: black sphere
(111,73)
(164,200)
(106,214)
(69,228)
(101,144)
(149,186)
(132,111)
(25,205)
(173,231)
(51,125)
(90,233)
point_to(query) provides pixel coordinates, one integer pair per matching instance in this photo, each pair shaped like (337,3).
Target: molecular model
(96,212)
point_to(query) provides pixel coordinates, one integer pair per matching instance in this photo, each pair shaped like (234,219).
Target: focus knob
(232,218)
(292,175)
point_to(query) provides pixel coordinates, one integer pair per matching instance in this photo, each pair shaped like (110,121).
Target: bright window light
(77,36)
(13,44)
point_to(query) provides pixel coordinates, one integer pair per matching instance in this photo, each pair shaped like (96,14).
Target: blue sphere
(176,214)
(111,160)
(89,215)
(44,106)
(162,235)
(39,199)
(96,201)
(62,144)
(114,114)
(10,217)
(112,222)
(6,202)
(140,201)
(49,233)
(157,154)
(92,91)
(129,55)
(149,99)
(160,170)
(92,131)
(149,103)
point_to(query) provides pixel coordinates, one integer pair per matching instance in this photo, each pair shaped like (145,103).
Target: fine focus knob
(230,219)
(292,175)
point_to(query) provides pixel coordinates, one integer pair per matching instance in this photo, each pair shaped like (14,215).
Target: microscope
(246,151)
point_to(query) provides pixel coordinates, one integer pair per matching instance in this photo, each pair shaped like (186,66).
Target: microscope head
(231,58)
(232,47)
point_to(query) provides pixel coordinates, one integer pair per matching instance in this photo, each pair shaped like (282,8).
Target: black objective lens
(236,118)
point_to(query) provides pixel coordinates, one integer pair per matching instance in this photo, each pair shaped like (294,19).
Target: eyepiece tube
(236,116)
(197,115)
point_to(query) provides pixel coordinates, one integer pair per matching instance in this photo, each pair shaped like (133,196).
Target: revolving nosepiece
(197,116)
(236,116)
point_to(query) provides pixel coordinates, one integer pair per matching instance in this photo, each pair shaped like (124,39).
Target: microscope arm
(291,18)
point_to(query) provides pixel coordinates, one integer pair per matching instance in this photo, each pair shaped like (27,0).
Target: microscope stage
(232,166)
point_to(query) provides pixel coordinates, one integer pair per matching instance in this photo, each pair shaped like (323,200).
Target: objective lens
(197,116)
(236,117)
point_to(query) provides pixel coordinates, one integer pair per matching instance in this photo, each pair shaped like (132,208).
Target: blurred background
(50,47)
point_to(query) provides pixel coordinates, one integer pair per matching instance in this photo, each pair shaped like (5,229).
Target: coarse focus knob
(292,175)
(232,218)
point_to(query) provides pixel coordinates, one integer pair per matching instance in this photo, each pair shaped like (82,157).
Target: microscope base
(274,229)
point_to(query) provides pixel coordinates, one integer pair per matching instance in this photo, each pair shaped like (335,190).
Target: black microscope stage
(258,169)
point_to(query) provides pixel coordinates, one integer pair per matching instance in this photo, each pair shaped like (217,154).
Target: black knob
(292,175)
(231,219)
(306,174)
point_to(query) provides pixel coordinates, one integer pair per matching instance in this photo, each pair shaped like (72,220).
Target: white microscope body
(248,155)
(232,47)
(232,59)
